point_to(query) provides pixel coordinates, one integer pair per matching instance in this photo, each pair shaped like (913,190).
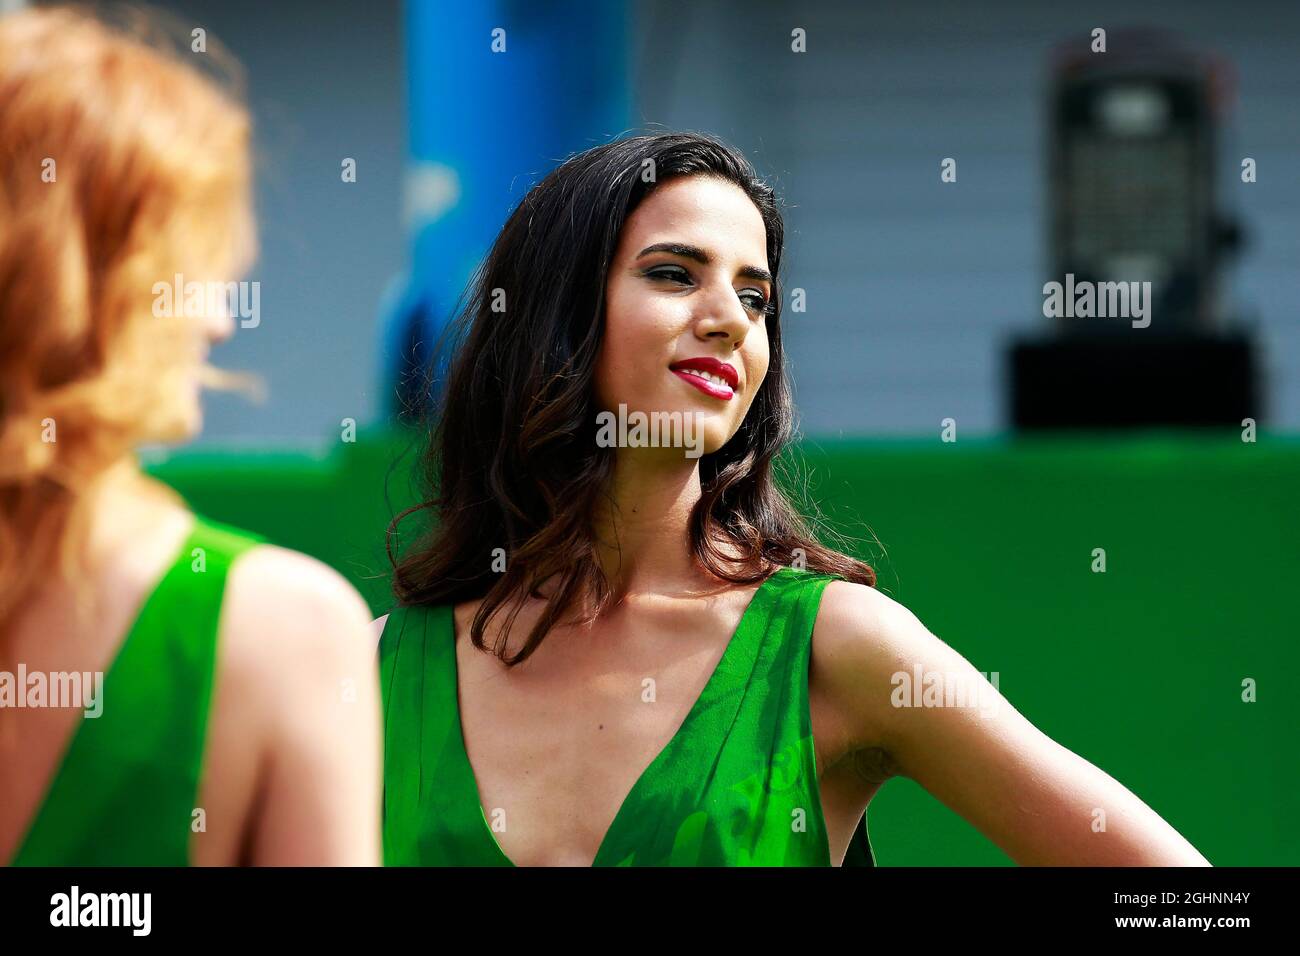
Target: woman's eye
(671,273)
(754,301)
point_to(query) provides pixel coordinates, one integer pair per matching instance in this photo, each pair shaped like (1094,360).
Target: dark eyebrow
(703,258)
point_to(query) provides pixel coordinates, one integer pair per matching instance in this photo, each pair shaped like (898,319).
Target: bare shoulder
(300,677)
(859,626)
(862,639)
(287,605)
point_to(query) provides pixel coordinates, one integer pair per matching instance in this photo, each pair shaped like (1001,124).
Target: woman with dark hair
(658,662)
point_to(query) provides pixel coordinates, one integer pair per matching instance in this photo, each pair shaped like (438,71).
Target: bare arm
(320,778)
(1038,801)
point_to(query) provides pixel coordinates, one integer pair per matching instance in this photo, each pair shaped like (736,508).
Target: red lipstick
(725,389)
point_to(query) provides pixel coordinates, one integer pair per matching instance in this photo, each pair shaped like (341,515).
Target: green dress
(735,786)
(126,791)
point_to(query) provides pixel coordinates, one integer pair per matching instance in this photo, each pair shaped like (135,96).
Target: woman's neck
(120,506)
(642,527)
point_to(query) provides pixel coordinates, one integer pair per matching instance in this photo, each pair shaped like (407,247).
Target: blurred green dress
(126,791)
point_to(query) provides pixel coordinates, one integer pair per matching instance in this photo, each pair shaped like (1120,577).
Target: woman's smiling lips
(711,376)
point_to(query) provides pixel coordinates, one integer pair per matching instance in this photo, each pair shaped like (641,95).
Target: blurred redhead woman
(172,691)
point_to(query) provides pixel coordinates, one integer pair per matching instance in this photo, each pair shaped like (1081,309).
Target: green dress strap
(735,785)
(127,787)
(427,776)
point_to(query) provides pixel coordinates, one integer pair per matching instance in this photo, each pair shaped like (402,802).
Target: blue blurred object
(499,93)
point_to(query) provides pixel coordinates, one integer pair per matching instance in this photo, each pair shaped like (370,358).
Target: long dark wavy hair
(512,462)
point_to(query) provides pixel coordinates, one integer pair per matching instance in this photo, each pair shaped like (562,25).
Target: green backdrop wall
(1139,669)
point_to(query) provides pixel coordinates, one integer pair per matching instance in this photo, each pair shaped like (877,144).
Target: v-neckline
(467,767)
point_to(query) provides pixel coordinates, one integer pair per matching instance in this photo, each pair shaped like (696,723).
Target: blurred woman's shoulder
(286,604)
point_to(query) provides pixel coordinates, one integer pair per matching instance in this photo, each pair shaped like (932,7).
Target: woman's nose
(722,315)
(218,325)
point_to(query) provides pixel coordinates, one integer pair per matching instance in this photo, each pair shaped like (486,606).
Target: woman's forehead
(700,211)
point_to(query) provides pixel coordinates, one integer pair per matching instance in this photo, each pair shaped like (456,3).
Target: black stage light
(1136,246)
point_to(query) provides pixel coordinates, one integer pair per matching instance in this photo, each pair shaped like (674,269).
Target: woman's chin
(193,423)
(667,431)
(185,425)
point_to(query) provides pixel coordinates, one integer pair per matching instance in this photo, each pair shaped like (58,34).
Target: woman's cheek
(606,375)
(622,374)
